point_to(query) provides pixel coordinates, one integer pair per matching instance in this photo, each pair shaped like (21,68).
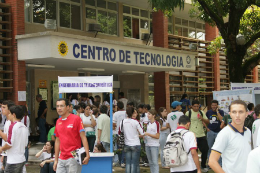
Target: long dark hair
(160,110)
(100,148)
(53,148)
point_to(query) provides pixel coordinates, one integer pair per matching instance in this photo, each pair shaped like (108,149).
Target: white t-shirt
(167,131)
(27,123)
(124,100)
(6,127)
(117,118)
(132,129)
(190,142)
(234,148)
(75,102)
(173,118)
(87,120)
(45,156)
(2,124)
(253,161)
(255,132)
(17,138)
(144,120)
(152,128)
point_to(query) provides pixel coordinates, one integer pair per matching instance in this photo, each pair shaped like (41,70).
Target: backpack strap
(183,132)
(122,126)
(252,113)
(189,113)
(201,113)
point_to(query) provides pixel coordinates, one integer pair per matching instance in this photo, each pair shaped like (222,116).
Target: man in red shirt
(69,132)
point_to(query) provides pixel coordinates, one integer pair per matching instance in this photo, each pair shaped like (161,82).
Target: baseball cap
(175,104)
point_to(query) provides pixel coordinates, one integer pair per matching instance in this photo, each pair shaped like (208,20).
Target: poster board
(243,86)
(226,97)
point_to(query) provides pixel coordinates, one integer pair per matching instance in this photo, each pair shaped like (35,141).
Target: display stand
(99,162)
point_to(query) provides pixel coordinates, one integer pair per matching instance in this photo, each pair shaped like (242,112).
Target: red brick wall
(161,79)
(19,69)
(255,75)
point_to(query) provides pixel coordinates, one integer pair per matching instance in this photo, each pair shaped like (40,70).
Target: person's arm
(40,152)
(3,136)
(99,135)
(196,159)
(5,147)
(156,136)
(222,125)
(168,125)
(213,162)
(44,112)
(46,161)
(205,120)
(220,117)
(164,128)
(85,144)
(57,151)
(53,137)
(93,122)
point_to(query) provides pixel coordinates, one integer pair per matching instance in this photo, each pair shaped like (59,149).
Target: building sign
(242,86)
(85,84)
(94,50)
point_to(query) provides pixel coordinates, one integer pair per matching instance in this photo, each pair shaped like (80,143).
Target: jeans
(68,166)
(203,147)
(211,136)
(162,140)
(14,168)
(42,128)
(120,156)
(132,157)
(152,153)
(106,146)
(47,168)
(91,142)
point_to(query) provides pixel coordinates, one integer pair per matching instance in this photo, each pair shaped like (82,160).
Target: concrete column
(255,75)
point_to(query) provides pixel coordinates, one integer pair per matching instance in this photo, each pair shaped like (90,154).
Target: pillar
(18,67)
(161,79)
(255,74)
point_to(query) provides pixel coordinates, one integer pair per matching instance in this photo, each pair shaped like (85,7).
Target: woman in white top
(89,124)
(152,136)
(164,132)
(132,130)
(47,157)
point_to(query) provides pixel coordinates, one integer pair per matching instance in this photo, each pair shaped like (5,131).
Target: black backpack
(199,112)
(249,121)
(121,136)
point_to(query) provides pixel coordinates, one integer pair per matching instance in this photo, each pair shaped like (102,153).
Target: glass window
(177,21)
(38,11)
(75,17)
(144,24)
(170,29)
(126,9)
(185,32)
(64,15)
(78,1)
(135,11)
(90,13)
(127,26)
(135,28)
(199,25)
(111,6)
(144,13)
(101,3)
(191,24)
(27,10)
(192,33)
(170,19)
(200,35)
(178,31)
(203,26)
(112,23)
(184,22)
(102,17)
(51,9)
(90,2)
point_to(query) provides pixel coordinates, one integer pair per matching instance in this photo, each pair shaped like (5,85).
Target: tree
(243,17)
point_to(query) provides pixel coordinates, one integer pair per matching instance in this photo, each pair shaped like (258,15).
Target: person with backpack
(182,142)
(152,144)
(233,143)
(250,117)
(173,117)
(198,119)
(185,103)
(215,116)
(129,130)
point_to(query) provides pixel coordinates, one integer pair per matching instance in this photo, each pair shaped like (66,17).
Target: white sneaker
(40,143)
(123,165)
(204,170)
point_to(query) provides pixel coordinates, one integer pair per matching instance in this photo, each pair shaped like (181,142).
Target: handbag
(90,134)
(121,136)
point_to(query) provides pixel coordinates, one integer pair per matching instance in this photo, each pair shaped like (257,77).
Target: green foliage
(167,5)
(127,27)
(215,45)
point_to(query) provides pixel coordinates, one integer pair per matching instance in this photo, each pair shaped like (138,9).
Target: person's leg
(154,159)
(74,167)
(45,168)
(149,157)
(116,157)
(128,158)
(62,167)
(163,137)
(26,154)
(51,167)
(211,140)
(91,142)
(135,159)
(203,147)
(42,129)
(14,168)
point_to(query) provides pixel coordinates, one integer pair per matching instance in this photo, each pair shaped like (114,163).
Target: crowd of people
(140,135)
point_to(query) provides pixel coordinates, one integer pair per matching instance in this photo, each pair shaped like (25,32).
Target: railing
(5,49)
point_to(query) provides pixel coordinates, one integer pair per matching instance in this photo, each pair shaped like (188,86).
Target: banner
(225,98)
(85,84)
(239,86)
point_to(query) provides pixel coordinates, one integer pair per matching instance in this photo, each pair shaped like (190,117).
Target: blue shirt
(214,122)
(185,102)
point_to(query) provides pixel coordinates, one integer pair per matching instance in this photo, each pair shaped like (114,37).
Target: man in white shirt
(16,142)
(253,161)
(189,138)
(173,117)
(122,98)
(117,118)
(255,128)
(233,143)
